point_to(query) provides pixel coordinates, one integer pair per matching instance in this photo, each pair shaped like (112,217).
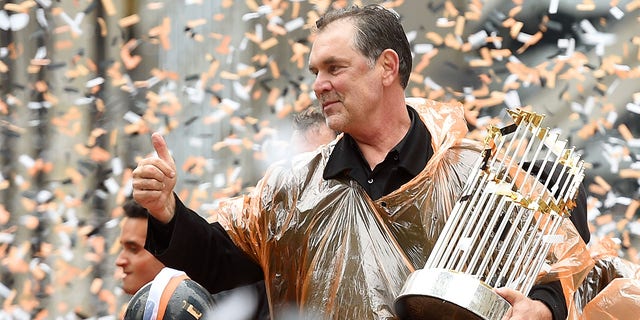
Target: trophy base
(445,294)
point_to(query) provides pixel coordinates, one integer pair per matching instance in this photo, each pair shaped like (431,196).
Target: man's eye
(133,249)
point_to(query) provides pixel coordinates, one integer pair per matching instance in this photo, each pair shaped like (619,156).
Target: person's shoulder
(445,122)
(465,150)
(423,105)
(440,113)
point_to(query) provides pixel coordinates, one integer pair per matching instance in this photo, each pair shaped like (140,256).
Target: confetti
(222,79)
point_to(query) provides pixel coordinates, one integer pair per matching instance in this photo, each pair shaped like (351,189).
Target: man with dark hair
(141,267)
(138,265)
(335,235)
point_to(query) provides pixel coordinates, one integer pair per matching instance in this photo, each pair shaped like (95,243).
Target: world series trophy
(500,231)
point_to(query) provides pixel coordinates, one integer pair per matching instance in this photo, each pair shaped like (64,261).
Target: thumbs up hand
(153,181)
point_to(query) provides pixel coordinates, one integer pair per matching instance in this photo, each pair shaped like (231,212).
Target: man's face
(346,85)
(138,265)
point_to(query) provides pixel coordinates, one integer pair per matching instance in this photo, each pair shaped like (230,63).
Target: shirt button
(395,157)
(370,181)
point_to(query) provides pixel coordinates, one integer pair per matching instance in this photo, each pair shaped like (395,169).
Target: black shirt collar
(414,150)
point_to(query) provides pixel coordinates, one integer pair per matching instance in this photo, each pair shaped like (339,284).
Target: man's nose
(120,260)
(321,84)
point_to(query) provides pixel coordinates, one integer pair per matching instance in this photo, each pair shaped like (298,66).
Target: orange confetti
(109,8)
(3,67)
(162,32)
(630,174)
(275,70)
(130,62)
(103,27)
(625,132)
(129,21)
(268,44)
(223,48)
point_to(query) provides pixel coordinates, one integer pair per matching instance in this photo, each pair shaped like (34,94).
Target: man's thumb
(508,294)
(161,147)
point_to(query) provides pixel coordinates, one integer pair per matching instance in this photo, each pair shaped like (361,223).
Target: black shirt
(402,163)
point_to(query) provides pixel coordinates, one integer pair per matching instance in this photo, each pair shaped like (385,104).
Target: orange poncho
(328,250)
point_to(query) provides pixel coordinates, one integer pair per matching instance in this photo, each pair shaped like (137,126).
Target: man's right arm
(179,237)
(204,251)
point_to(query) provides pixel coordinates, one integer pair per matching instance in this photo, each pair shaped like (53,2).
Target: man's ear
(390,63)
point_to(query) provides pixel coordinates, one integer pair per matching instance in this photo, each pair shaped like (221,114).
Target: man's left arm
(552,296)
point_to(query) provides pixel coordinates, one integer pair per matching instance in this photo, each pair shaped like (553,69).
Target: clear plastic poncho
(329,251)
(611,288)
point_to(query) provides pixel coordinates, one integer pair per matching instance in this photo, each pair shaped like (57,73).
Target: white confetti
(616,13)
(112,185)
(95,82)
(553,6)
(132,117)
(294,24)
(422,48)
(26,161)
(632,107)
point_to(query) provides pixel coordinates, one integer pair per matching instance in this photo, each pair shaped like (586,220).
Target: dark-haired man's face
(138,265)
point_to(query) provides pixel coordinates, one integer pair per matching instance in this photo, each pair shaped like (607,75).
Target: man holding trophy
(336,232)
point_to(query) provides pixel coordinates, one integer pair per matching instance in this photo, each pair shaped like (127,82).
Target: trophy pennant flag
(502,227)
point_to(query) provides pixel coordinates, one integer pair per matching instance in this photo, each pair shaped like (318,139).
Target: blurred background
(84,83)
